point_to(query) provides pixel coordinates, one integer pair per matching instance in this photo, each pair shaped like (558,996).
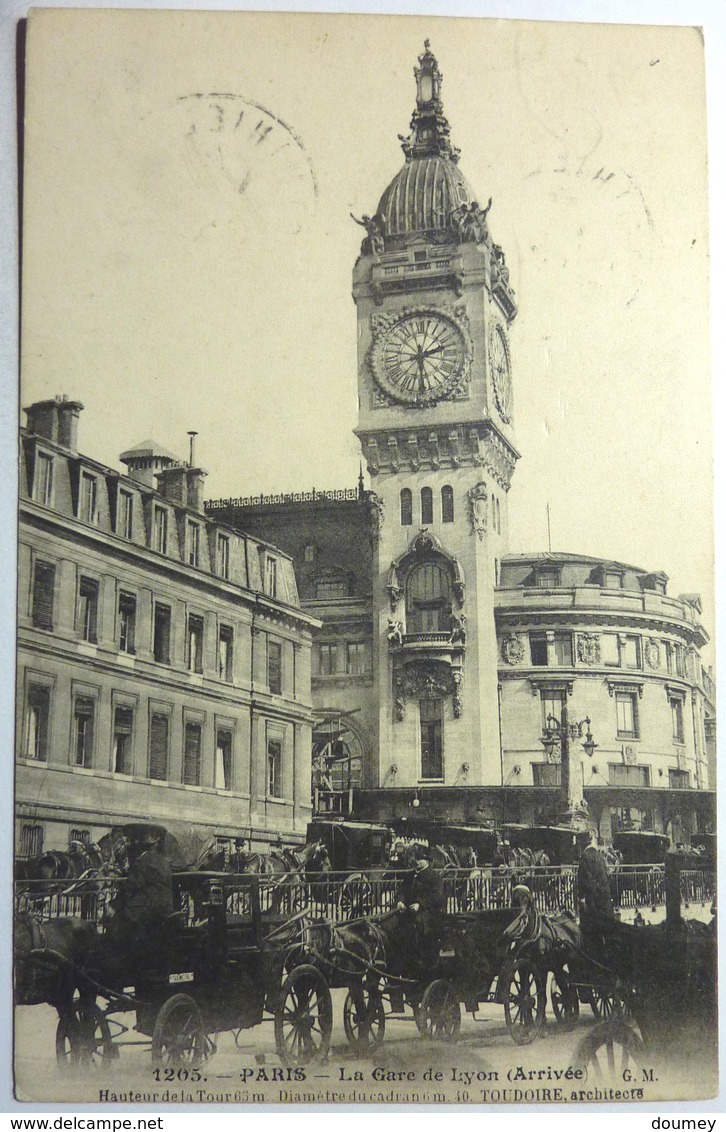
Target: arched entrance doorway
(337,762)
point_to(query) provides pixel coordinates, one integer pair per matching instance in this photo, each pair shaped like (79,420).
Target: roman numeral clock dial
(420,357)
(501,372)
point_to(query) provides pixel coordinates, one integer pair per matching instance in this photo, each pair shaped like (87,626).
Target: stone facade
(469,645)
(607,639)
(163,659)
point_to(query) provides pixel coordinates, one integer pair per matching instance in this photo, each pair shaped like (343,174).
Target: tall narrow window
(43,587)
(563,649)
(223,556)
(88,609)
(195,643)
(327,659)
(447,504)
(274,667)
(31,841)
(428,599)
(271,577)
(274,768)
(223,760)
(89,498)
(162,633)
(406,507)
(432,746)
(538,648)
(123,727)
(192,754)
(225,663)
(551,708)
(127,622)
(427,506)
(677,718)
(627,716)
(37,722)
(43,486)
(630,652)
(125,517)
(357,658)
(161,530)
(84,709)
(159,747)
(193,542)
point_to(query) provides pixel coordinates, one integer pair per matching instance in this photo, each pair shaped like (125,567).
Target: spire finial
(429,128)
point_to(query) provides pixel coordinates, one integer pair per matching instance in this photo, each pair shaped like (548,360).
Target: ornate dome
(423,196)
(430,194)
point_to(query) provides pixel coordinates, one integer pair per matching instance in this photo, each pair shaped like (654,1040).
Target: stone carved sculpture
(458,628)
(588,648)
(512,649)
(478,497)
(471,222)
(374,243)
(395,633)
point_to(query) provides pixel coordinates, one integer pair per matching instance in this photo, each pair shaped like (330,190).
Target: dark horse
(49,959)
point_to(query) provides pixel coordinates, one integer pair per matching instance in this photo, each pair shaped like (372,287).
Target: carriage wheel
(179,1040)
(439,1015)
(608,1050)
(356,898)
(565,1003)
(605,1005)
(524,1001)
(83,1038)
(304,1017)
(364,1019)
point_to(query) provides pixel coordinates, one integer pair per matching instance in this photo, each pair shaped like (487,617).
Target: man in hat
(593,888)
(422,896)
(144,899)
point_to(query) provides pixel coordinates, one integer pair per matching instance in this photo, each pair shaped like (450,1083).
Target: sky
(188,249)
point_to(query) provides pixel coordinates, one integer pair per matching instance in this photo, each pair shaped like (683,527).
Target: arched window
(447,504)
(428,599)
(427,506)
(406,507)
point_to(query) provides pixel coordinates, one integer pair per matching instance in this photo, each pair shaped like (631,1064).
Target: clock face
(501,372)
(420,357)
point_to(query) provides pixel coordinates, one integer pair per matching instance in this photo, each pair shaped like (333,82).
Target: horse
(48,958)
(81,867)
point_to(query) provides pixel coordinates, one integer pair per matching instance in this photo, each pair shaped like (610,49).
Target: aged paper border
(694,13)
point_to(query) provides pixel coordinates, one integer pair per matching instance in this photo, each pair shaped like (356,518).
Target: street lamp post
(558,733)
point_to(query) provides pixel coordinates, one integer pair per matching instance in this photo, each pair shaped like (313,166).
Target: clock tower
(435,425)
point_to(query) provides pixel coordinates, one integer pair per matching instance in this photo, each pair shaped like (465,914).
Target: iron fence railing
(343,896)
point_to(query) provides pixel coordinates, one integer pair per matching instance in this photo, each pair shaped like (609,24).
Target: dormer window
(548,577)
(125,516)
(43,486)
(271,577)
(613,580)
(223,556)
(161,529)
(193,542)
(88,498)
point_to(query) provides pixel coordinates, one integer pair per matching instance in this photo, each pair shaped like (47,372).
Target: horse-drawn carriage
(660,982)
(542,845)
(223,963)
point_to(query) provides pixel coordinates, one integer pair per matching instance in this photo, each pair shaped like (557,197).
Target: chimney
(172,484)
(56,421)
(147,461)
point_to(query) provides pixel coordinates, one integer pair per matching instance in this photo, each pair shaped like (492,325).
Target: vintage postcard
(366,728)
